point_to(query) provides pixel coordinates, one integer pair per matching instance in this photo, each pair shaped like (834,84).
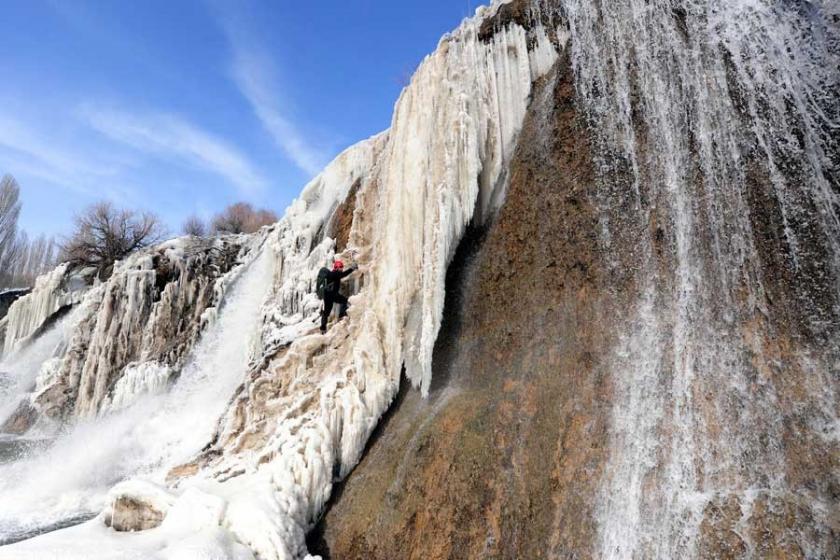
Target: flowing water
(68,481)
(708,110)
(19,370)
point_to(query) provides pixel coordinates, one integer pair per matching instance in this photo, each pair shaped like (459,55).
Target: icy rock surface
(145,437)
(303,405)
(303,419)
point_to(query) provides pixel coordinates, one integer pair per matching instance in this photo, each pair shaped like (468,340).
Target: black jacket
(334,278)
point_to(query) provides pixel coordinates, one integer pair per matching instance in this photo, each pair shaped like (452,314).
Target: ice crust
(309,403)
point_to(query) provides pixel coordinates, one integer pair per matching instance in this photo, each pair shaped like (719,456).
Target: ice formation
(146,437)
(151,311)
(52,291)
(306,416)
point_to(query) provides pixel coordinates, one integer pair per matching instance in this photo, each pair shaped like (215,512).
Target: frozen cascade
(150,311)
(144,439)
(305,413)
(689,99)
(441,165)
(52,291)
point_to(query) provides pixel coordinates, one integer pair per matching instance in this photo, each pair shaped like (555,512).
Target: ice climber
(329,284)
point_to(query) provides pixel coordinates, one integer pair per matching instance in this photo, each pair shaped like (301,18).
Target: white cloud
(26,149)
(253,73)
(171,137)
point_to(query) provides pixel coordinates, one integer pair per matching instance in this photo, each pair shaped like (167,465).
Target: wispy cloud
(172,137)
(25,148)
(255,76)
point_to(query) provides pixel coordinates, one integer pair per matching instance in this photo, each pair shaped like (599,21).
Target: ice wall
(52,291)
(139,434)
(310,402)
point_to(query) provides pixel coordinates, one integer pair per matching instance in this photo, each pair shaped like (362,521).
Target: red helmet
(338,265)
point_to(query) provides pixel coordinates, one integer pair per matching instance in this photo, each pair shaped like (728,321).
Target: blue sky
(184,106)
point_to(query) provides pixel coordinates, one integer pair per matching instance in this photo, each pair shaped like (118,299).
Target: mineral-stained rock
(181,472)
(342,221)
(130,515)
(505,458)
(599,393)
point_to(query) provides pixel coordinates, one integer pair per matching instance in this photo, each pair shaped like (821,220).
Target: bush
(195,227)
(103,234)
(242,218)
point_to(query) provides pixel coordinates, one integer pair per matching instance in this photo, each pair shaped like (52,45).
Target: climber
(329,284)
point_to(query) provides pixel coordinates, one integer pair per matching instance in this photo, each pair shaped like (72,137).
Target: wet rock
(505,458)
(21,420)
(131,514)
(342,220)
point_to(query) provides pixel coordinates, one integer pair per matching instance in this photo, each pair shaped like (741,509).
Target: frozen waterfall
(195,380)
(698,104)
(145,437)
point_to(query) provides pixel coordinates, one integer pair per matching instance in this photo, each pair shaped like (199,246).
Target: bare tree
(104,234)
(242,218)
(36,257)
(21,260)
(195,226)
(10,242)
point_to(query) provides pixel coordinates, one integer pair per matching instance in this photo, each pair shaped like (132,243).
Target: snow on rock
(162,527)
(136,506)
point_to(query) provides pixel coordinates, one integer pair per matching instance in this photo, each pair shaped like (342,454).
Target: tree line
(22,259)
(101,235)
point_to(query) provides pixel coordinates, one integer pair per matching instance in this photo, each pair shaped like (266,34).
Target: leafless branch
(104,234)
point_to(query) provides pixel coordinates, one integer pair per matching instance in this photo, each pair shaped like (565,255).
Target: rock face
(132,515)
(130,330)
(505,458)
(636,360)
